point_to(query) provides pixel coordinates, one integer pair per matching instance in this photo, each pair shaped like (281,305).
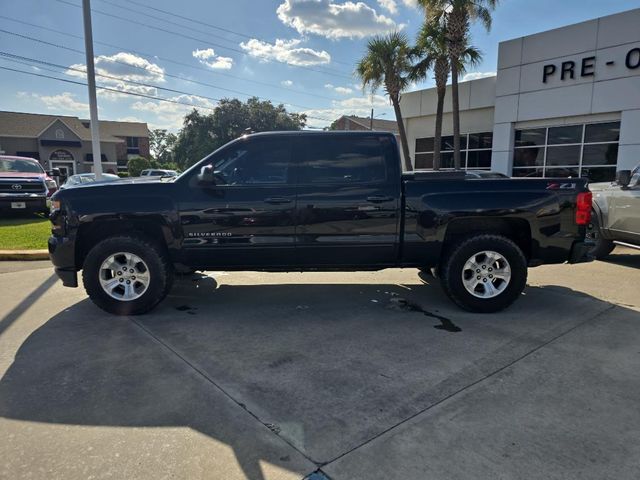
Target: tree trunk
(403,134)
(455,100)
(438,138)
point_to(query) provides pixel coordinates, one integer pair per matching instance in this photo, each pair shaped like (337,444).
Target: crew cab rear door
(245,218)
(348,200)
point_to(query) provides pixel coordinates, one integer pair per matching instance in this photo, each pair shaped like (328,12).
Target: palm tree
(432,53)
(387,64)
(457,16)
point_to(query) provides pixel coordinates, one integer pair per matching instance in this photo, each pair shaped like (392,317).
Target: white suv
(156,172)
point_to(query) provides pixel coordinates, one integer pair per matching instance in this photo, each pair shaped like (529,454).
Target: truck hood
(4,175)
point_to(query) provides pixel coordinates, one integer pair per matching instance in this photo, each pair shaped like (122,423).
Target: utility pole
(371,121)
(91,82)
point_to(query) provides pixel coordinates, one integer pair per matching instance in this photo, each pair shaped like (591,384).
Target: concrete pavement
(253,375)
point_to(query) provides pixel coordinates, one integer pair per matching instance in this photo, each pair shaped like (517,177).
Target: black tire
(601,246)
(452,268)
(159,268)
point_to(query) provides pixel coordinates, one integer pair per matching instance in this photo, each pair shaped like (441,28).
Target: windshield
(15,165)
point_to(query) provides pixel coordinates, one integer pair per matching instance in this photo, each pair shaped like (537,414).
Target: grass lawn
(24,233)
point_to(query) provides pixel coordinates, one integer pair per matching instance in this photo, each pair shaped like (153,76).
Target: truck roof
(341,133)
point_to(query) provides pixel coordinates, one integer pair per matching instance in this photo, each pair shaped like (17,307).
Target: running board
(628,245)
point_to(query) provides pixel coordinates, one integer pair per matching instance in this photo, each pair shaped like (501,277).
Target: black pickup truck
(303,201)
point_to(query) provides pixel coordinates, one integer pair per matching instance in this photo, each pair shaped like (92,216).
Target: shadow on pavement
(33,297)
(626,258)
(341,362)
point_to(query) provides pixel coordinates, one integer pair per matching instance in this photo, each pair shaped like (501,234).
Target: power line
(164,73)
(29,61)
(183,35)
(169,60)
(135,94)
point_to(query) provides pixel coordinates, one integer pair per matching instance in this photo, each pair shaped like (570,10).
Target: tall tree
(161,144)
(457,16)
(431,53)
(201,134)
(387,64)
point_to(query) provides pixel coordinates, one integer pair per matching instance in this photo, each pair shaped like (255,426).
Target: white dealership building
(564,102)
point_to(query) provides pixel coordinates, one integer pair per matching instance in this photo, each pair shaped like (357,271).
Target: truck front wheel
(484,273)
(126,275)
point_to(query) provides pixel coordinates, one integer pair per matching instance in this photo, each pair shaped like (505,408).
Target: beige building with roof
(64,142)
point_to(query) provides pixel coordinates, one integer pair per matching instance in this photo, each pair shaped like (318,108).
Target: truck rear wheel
(126,275)
(601,246)
(484,273)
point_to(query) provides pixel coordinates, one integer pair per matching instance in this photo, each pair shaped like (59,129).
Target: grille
(25,187)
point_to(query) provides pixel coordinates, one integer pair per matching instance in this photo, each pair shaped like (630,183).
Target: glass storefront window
(529,138)
(566,134)
(475,151)
(424,160)
(602,132)
(601,154)
(587,150)
(569,155)
(528,157)
(479,159)
(424,144)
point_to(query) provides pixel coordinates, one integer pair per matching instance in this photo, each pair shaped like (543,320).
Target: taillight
(583,208)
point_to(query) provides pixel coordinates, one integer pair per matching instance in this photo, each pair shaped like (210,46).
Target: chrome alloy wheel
(124,276)
(486,274)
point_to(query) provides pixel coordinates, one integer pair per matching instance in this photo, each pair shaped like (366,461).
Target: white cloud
(389,5)
(334,20)
(170,115)
(286,83)
(286,51)
(120,68)
(410,3)
(477,75)
(209,58)
(64,102)
(340,90)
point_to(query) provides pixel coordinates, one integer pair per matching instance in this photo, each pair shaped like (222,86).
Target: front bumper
(62,254)
(33,203)
(580,253)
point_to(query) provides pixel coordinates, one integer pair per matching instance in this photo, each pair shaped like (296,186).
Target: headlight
(51,184)
(55,205)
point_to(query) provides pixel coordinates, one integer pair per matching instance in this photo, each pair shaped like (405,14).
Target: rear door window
(343,160)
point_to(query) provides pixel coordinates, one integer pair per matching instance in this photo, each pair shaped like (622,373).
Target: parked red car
(25,186)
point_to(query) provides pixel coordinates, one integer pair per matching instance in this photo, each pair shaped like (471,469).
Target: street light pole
(371,121)
(91,82)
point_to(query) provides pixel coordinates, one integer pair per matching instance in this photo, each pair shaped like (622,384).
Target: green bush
(136,164)
(123,174)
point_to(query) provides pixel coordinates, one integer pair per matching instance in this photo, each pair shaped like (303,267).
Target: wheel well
(92,233)
(516,229)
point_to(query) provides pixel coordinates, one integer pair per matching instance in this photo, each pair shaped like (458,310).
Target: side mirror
(207,175)
(623,177)
(55,172)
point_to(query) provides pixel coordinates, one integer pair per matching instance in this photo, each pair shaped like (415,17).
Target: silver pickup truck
(616,213)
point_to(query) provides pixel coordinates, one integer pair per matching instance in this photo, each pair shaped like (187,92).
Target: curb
(24,255)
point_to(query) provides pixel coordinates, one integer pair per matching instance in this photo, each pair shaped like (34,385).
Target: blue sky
(297,52)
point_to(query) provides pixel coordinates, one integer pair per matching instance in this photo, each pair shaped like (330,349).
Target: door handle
(379,199)
(277,200)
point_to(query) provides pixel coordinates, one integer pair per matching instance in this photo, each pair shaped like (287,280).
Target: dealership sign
(586,67)
(61,156)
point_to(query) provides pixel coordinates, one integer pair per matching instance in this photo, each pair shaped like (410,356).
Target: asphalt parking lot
(341,376)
